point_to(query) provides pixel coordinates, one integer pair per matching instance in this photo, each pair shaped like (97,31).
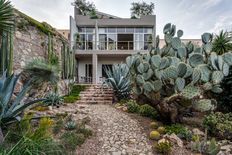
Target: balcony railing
(112,45)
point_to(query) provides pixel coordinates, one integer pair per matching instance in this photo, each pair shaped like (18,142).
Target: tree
(222,43)
(85,7)
(139,9)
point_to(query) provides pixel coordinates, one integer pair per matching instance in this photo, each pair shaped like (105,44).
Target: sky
(194,17)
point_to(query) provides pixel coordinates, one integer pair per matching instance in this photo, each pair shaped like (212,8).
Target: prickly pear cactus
(179,69)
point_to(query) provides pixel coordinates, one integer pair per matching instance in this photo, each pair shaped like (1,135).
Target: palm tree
(6,15)
(222,43)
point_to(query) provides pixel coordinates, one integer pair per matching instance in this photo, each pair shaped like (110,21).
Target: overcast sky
(193,16)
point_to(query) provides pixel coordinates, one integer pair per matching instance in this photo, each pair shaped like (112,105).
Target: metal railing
(89,80)
(112,45)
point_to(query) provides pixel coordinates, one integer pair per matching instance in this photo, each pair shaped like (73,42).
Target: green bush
(219,124)
(74,94)
(71,99)
(164,147)
(71,140)
(180,130)
(147,111)
(82,130)
(132,106)
(27,146)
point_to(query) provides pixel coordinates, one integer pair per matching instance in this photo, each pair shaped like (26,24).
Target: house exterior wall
(96,55)
(101,61)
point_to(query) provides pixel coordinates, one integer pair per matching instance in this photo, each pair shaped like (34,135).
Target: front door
(88,73)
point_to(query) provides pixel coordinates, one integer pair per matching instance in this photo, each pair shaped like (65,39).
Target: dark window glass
(89,30)
(139,30)
(82,41)
(147,41)
(130,30)
(121,30)
(112,30)
(90,42)
(81,29)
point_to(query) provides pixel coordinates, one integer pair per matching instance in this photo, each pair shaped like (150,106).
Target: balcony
(112,46)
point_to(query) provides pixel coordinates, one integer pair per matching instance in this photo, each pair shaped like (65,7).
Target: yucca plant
(6,15)
(118,80)
(222,43)
(41,71)
(11,109)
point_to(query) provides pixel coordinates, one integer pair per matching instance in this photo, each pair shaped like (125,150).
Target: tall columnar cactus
(6,50)
(178,73)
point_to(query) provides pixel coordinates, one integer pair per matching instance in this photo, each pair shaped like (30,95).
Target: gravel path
(115,133)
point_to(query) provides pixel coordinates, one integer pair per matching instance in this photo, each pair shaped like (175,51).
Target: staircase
(96,94)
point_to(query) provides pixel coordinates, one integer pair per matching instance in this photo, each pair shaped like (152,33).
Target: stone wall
(30,42)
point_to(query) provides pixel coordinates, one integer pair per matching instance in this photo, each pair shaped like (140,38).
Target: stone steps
(95,94)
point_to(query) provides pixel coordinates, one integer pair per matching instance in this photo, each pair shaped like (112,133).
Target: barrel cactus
(178,72)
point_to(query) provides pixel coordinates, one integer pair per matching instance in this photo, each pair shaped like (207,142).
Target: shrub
(155,135)
(179,130)
(71,99)
(74,94)
(86,132)
(148,111)
(219,124)
(27,146)
(71,140)
(132,106)
(164,147)
(58,126)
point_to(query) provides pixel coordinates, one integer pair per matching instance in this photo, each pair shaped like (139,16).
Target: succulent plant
(118,79)
(154,125)
(71,125)
(178,71)
(161,129)
(155,135)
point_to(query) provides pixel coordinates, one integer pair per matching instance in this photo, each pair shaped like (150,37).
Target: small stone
(175,139)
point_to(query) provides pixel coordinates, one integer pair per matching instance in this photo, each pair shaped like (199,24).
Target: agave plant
(11,109)
(53,99)
(222,43)
(118,80)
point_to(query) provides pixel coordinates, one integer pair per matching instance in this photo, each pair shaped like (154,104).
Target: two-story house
(107,40)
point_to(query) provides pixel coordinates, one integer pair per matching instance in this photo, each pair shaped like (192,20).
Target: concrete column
(95,64)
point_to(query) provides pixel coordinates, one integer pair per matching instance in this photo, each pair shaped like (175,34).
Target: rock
(196,131)
(226,148)
(174,138)
(124,109)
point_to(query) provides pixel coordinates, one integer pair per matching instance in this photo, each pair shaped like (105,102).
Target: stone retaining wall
(30,42)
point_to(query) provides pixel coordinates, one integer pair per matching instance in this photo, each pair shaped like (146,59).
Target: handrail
(112,45)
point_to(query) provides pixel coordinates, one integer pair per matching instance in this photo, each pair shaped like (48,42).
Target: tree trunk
(1,136)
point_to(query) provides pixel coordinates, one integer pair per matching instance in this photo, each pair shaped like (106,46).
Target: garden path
(115,133)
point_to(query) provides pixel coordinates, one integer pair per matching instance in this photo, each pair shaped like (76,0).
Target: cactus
(204,105)
(154,125)
(196,59)
(155,135)
(180,73)
(161,130)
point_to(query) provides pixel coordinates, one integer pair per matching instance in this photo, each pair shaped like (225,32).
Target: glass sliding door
(138,43)
(147,41)
(112,40)
(103,42)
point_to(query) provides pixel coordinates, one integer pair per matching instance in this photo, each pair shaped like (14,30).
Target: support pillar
(95,64)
